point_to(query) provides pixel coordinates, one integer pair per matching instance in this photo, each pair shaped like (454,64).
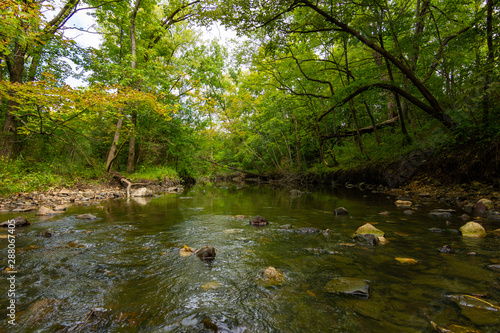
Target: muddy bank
(58,198)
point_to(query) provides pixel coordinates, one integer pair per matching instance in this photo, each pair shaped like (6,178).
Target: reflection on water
(123,272)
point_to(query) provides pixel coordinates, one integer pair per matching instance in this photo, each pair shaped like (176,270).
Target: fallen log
(364,130)
(129,184)
(235,169)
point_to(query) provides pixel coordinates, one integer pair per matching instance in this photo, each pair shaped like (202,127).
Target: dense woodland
(308,86)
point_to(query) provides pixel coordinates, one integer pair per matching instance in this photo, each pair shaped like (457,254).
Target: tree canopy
(308,85)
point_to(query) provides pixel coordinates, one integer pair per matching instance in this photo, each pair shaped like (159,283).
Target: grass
(157,173)
(18,176)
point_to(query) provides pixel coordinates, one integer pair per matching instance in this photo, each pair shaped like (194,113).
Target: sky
(82,21)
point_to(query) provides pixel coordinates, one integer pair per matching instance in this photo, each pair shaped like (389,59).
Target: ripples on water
(123,272)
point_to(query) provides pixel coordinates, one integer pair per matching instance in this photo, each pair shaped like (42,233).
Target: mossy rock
(272,277)
(369,229)
(473,229)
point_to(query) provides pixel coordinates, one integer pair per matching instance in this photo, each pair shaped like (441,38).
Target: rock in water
(350,286)
(403,203)
(341,211)
(444,213)
(367,239)
(44,211)
(272,276)
(18,222)
(86,217)
(206,253)
(186,251)
(259,221)
(142,192)
(487,203)
(473,229)
(369,229)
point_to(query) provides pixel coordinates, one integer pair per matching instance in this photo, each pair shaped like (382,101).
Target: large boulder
(349,286)
(487,203)
(472,229)
(44,211)
(142,192)
(367,228)
(259,221)
(341,211)
(18,222)
(206,253)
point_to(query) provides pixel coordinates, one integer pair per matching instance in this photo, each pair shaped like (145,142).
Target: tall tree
(25,37)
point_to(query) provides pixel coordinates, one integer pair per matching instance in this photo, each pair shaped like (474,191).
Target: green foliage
(23,175)
(158,173)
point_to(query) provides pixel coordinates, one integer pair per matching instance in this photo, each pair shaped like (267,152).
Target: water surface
(123,272)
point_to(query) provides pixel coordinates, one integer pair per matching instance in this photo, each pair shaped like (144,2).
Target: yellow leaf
(407,261)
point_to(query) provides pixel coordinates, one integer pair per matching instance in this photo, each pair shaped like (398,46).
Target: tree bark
(113,150)
(373,122)
(133,65)
(363,130)
(489,63)
(131,145)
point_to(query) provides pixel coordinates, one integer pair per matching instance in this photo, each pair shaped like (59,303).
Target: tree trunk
(131,145)
(489,63)
(133,65)
(113,149)
(373,122)
(297,145)
(9,132)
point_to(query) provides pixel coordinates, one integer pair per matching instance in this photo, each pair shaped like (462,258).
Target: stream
(122,272)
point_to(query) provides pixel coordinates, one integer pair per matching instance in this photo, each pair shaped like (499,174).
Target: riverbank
(58,198)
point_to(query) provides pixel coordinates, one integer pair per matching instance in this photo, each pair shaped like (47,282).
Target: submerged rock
(206,253)
(472,229)
(369,229)
(341,211)
(442,213)
(478,310)
(47,233)
(18,222)
(307,230)
(349,286)
(286,226)
(259,221)
(86,217)
(446,249)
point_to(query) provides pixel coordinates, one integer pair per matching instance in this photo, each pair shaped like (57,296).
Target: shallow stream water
(123,273)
